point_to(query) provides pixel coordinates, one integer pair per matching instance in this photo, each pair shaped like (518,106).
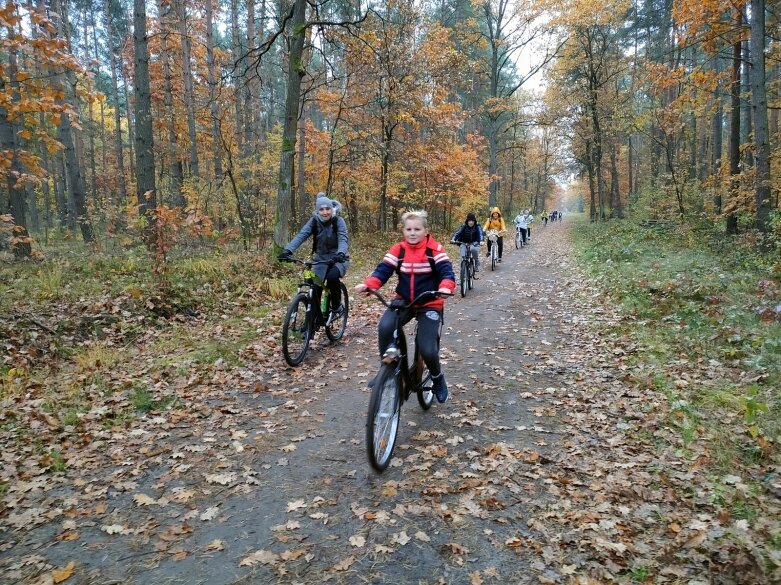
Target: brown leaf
(344,564)
(60,575)
(260,556)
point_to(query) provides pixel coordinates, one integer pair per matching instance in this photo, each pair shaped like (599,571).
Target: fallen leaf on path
(420,535)
(215,545)
(357,541)
(297,505)
(260,556)
(210,513)
(143,500)
(344,564)
(60,575)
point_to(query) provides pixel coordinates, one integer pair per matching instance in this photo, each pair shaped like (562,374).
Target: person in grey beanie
(329,247)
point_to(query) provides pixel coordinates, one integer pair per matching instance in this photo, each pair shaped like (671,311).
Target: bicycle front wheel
(335,329)
(463,276)
(471,274)
(493,257)
(424,387)
(382,423)
(296,332)
(518,240)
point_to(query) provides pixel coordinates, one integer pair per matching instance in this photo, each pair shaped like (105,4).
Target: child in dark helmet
(470,235)
(330,244)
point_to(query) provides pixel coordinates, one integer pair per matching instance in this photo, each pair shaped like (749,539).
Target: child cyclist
(495,222)
(422,265)
(470,236)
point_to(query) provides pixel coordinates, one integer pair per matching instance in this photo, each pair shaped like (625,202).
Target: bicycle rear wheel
(463,275)
(382,423)
(335,330)
(296,332)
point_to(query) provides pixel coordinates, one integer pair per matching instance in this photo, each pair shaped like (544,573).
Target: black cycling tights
(334,286)
(429,324)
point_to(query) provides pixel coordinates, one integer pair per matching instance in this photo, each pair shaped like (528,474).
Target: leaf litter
(474,495)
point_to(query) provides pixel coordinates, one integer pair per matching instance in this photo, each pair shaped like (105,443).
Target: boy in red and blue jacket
(423,266)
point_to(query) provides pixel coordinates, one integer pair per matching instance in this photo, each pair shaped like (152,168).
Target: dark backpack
(316,229)
(429,255)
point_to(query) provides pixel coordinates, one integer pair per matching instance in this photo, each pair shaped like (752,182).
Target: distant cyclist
(329,243)
(523,223)
(495,222)
(470,235)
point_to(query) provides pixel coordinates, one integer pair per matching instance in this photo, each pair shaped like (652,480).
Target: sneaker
(338,312)
(440,388)
(499,260)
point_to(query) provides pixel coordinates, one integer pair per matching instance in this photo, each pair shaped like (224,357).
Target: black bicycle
(308,311)
(466,273)
(394,383)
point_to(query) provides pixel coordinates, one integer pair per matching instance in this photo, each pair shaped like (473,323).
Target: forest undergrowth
(699,334)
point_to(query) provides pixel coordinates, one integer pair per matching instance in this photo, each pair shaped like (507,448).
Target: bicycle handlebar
(456,242)
(307,263)
(407,305)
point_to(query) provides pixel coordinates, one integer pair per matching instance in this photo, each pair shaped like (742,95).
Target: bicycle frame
(393,384)
(493,237)
(300,324)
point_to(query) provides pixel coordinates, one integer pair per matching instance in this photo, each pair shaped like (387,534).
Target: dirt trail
(271,484)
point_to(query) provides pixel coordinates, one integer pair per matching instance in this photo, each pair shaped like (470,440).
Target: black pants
(500,243)
(334,285)
(429,326)
(524,234)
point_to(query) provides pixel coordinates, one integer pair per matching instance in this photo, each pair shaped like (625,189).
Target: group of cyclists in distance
(420,263)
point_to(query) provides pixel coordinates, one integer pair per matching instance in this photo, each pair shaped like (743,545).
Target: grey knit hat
(323,201)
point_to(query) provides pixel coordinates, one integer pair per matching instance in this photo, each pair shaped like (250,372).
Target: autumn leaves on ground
(156,438)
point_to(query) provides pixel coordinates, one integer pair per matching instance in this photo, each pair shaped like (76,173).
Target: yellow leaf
(215,545)
(60,575)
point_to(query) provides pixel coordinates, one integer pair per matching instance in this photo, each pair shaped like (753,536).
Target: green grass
(693,300)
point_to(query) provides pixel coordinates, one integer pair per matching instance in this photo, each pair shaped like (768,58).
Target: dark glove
(340,257)
(285,255)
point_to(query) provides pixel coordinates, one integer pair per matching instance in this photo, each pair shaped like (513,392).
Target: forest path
(270,482)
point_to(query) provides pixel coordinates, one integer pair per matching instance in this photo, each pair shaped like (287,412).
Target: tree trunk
(759,107)
(8,133)
(295,74)
(249,114)
(119,150)
(616,208)
(734,129)
(67,135)
(216,138)
(238,76)
(303,208)
(175,161)
(717,124)
(145,161)
(189,98)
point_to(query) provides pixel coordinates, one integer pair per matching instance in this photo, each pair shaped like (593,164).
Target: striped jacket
(415,273)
